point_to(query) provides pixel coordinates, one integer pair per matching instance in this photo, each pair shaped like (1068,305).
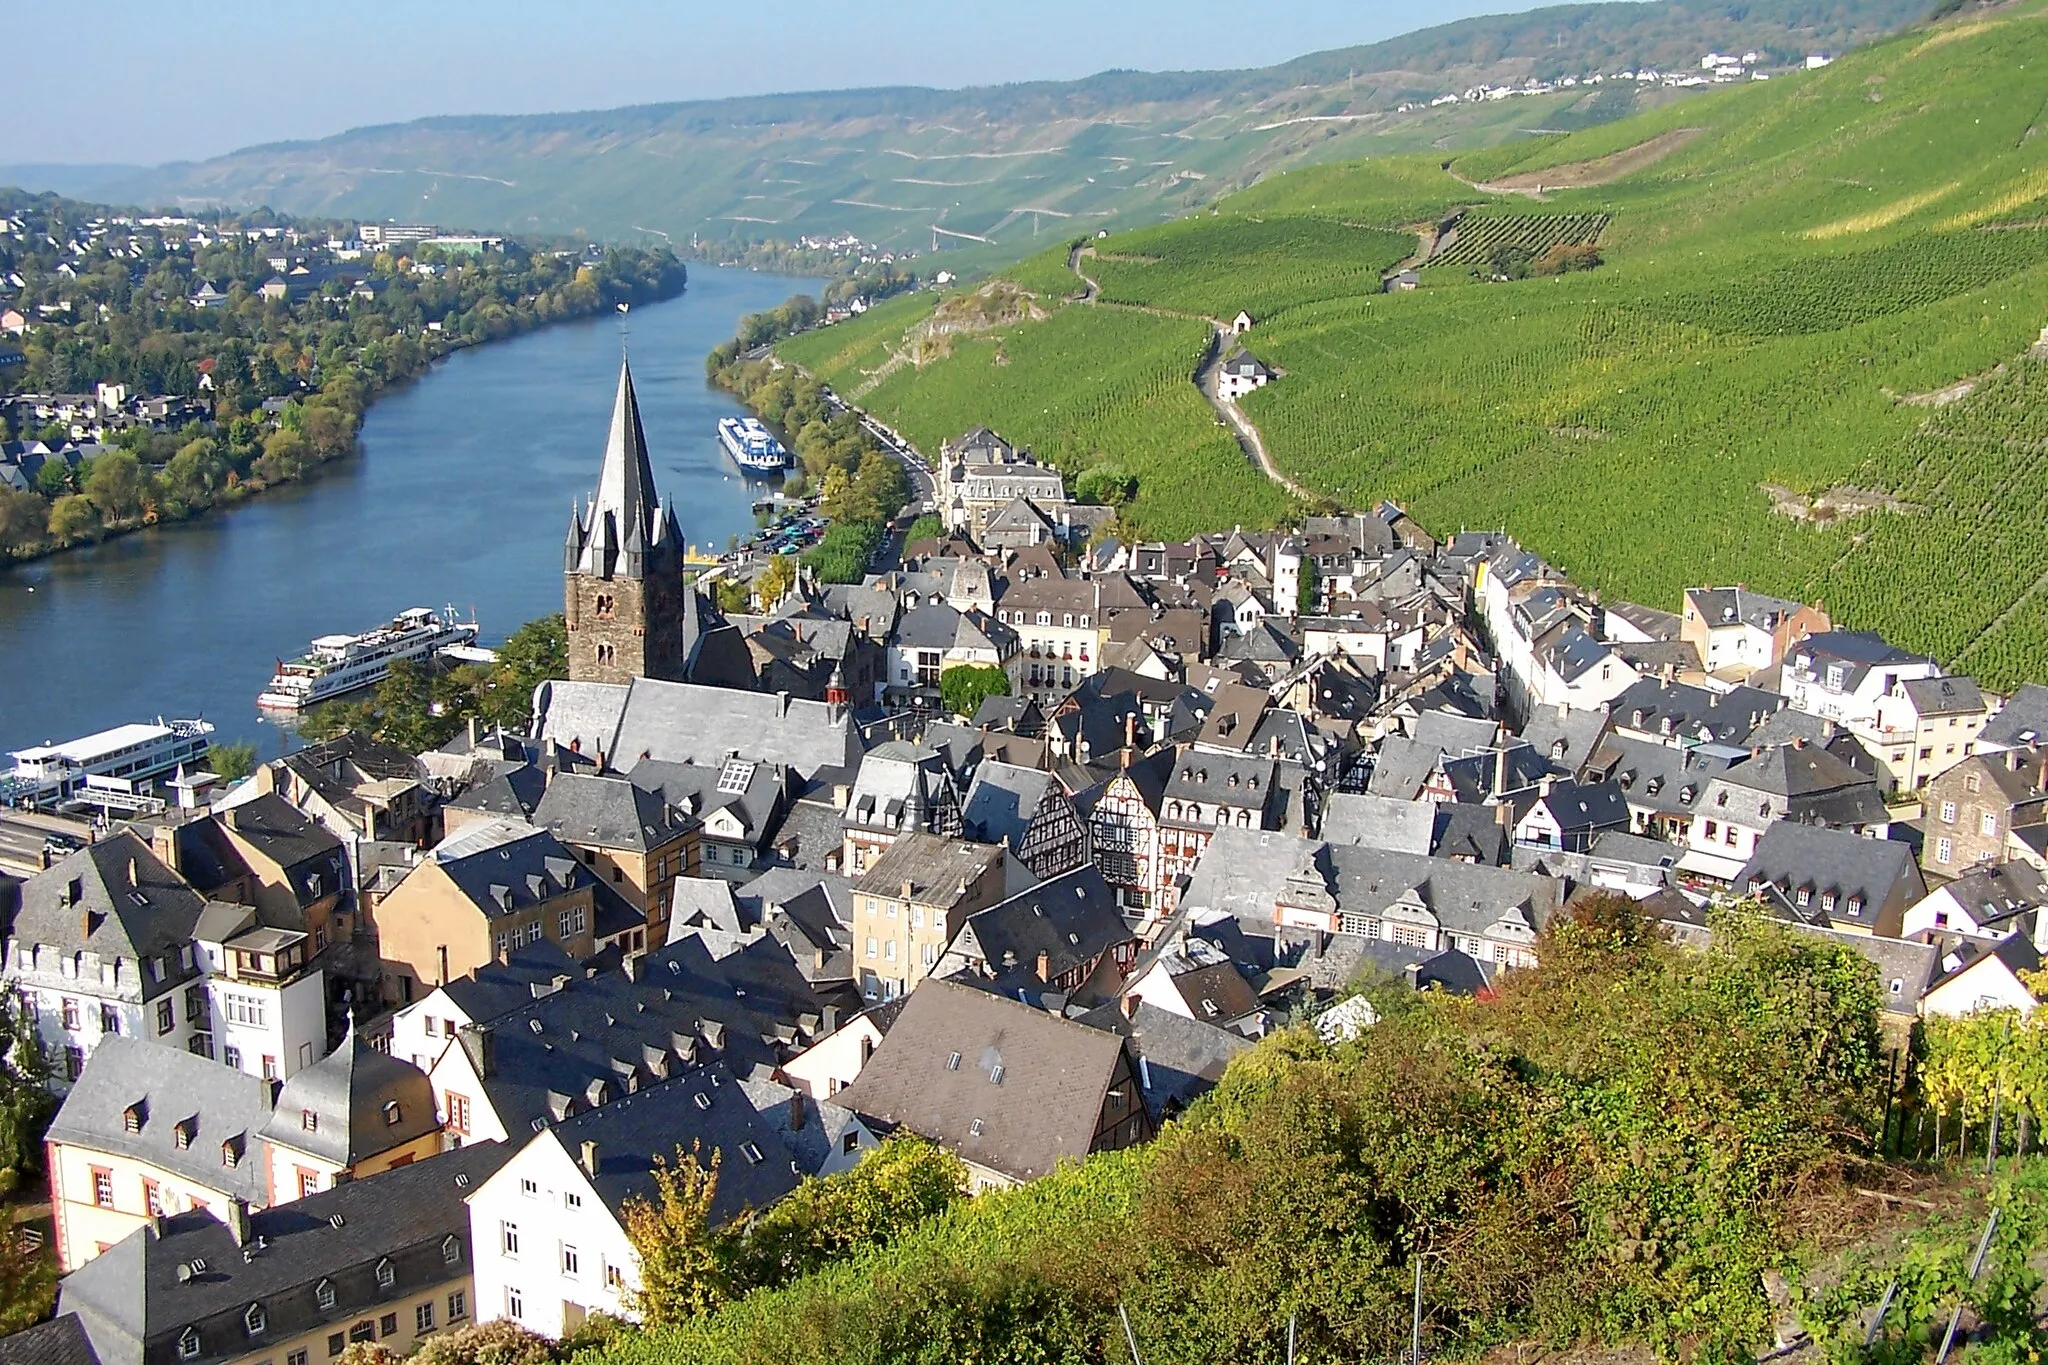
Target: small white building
(551,1246)
(1240,373)
(1979,978)
(269,1009)
(832,1063)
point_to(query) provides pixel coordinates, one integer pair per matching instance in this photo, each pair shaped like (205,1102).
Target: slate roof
(61,1341)
(1465,832)
(498,987)
(1943,696)
(512,793)
(1796,782)
(706,1105)
(505,869)
(1583,807)
(2000,894)
(1722,607)
(2015,951)
(191,1110)
(933,867)
(1379,822)
(1071,920)
(1682,711)
(1041,1107)
(285,834)
(129,905)
(1795,857)
(137,1297)
(1179,1059)
(610,812)
(2023,720)
(1002,801)
(348,1094)
(694,722)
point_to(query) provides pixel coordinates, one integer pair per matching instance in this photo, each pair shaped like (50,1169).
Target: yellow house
(353,1113)
(629,837)
(150,1130)
(385,1260)
(480,896)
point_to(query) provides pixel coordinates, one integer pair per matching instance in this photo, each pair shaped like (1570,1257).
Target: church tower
(623,591)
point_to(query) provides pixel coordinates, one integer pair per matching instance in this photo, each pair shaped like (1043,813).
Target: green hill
(1003,164)
(1804,364)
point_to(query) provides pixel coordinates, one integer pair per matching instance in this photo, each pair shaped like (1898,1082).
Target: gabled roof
(609,812)
(934,869)
(1070,921)
(1582,807)
(186,1112)
(705,1105)
(61,1341)
(1006,1086)
(1822,862)
(2023,720)
(127,903)
(282,832)
(1379,822)
(1002,802)
(502,868)
(137,1298)
(1179,1059)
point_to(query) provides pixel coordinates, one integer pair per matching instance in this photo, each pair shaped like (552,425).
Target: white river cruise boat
(127,755)
(338,664)
(752,446)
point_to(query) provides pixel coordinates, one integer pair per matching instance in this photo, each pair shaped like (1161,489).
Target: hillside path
(1205,377)
(1248,438)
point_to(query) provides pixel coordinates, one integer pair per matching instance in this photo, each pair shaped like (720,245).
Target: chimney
(908,890)
(1045,968)
(1129,1005)
(828,1021)
(163,841)
(590,1158)
(1500,769)
(796,1111)
(472,733)
(238,1220)
(441,961)
(632,967)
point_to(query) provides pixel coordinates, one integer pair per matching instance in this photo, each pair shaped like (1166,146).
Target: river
(460,495)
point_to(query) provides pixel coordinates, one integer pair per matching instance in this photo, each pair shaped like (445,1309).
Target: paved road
(924,485)
(22,834)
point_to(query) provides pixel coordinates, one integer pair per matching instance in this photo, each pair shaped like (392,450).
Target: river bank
(460,494)
(164,500)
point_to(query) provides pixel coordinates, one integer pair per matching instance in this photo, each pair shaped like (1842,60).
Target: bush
(499,1342)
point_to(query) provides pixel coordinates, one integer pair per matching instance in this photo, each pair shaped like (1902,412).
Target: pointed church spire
(625,486)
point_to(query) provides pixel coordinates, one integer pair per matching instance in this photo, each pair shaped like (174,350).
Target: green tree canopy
(964,687)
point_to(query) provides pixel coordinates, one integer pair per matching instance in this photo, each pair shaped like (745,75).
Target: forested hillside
(1804,359)
(1003,168)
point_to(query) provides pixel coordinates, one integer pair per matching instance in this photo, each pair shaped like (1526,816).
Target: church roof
(623,521)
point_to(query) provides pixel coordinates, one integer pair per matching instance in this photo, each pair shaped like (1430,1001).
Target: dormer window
(323,1295)
(255,1320)
(451,1251)
(391,1113)
(188,1344)
(387,1274)
(309,1122)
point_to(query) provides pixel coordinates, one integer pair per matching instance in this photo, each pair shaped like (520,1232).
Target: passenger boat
(752,446)
(133,754)
(339,664)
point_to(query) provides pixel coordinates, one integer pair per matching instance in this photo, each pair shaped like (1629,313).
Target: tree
(28,1280)
(73,517)
(685,1262)
(232,762)
(1105,486)
(926,527)
(889,1191)
(498,1342)
(964,687)
(368,1353)
(533,654)
(775,581)
(26,1105)
(1305,590)
(284,458)
(835,499)
(118,485)
(880,487)
(56,478)
(24,518)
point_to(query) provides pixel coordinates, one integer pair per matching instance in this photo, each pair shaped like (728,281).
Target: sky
(167,82)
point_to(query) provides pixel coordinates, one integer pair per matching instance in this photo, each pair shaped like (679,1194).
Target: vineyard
(1477,236)
(1776,290)
(1215,267)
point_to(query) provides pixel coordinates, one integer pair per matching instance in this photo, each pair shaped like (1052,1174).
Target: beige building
(1923,728)
(478,897)
(150,1130)
(354,1113)
(386,1260)
(915,897)
(1974,808)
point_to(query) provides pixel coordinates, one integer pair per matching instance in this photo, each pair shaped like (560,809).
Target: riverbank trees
(287,366)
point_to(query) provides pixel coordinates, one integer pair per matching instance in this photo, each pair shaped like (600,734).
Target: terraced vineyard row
(1216,267)
(1477,236)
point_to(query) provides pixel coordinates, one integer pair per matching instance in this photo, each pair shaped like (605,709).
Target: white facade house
(1845,676)
(832,1063)
(269,1009)
(551,1247)
(1979,981)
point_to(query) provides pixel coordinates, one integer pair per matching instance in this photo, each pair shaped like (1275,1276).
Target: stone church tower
(622,568)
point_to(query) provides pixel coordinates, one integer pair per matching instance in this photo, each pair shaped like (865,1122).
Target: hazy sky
(153,82)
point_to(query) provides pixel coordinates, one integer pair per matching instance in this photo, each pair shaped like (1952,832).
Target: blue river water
(460,496)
